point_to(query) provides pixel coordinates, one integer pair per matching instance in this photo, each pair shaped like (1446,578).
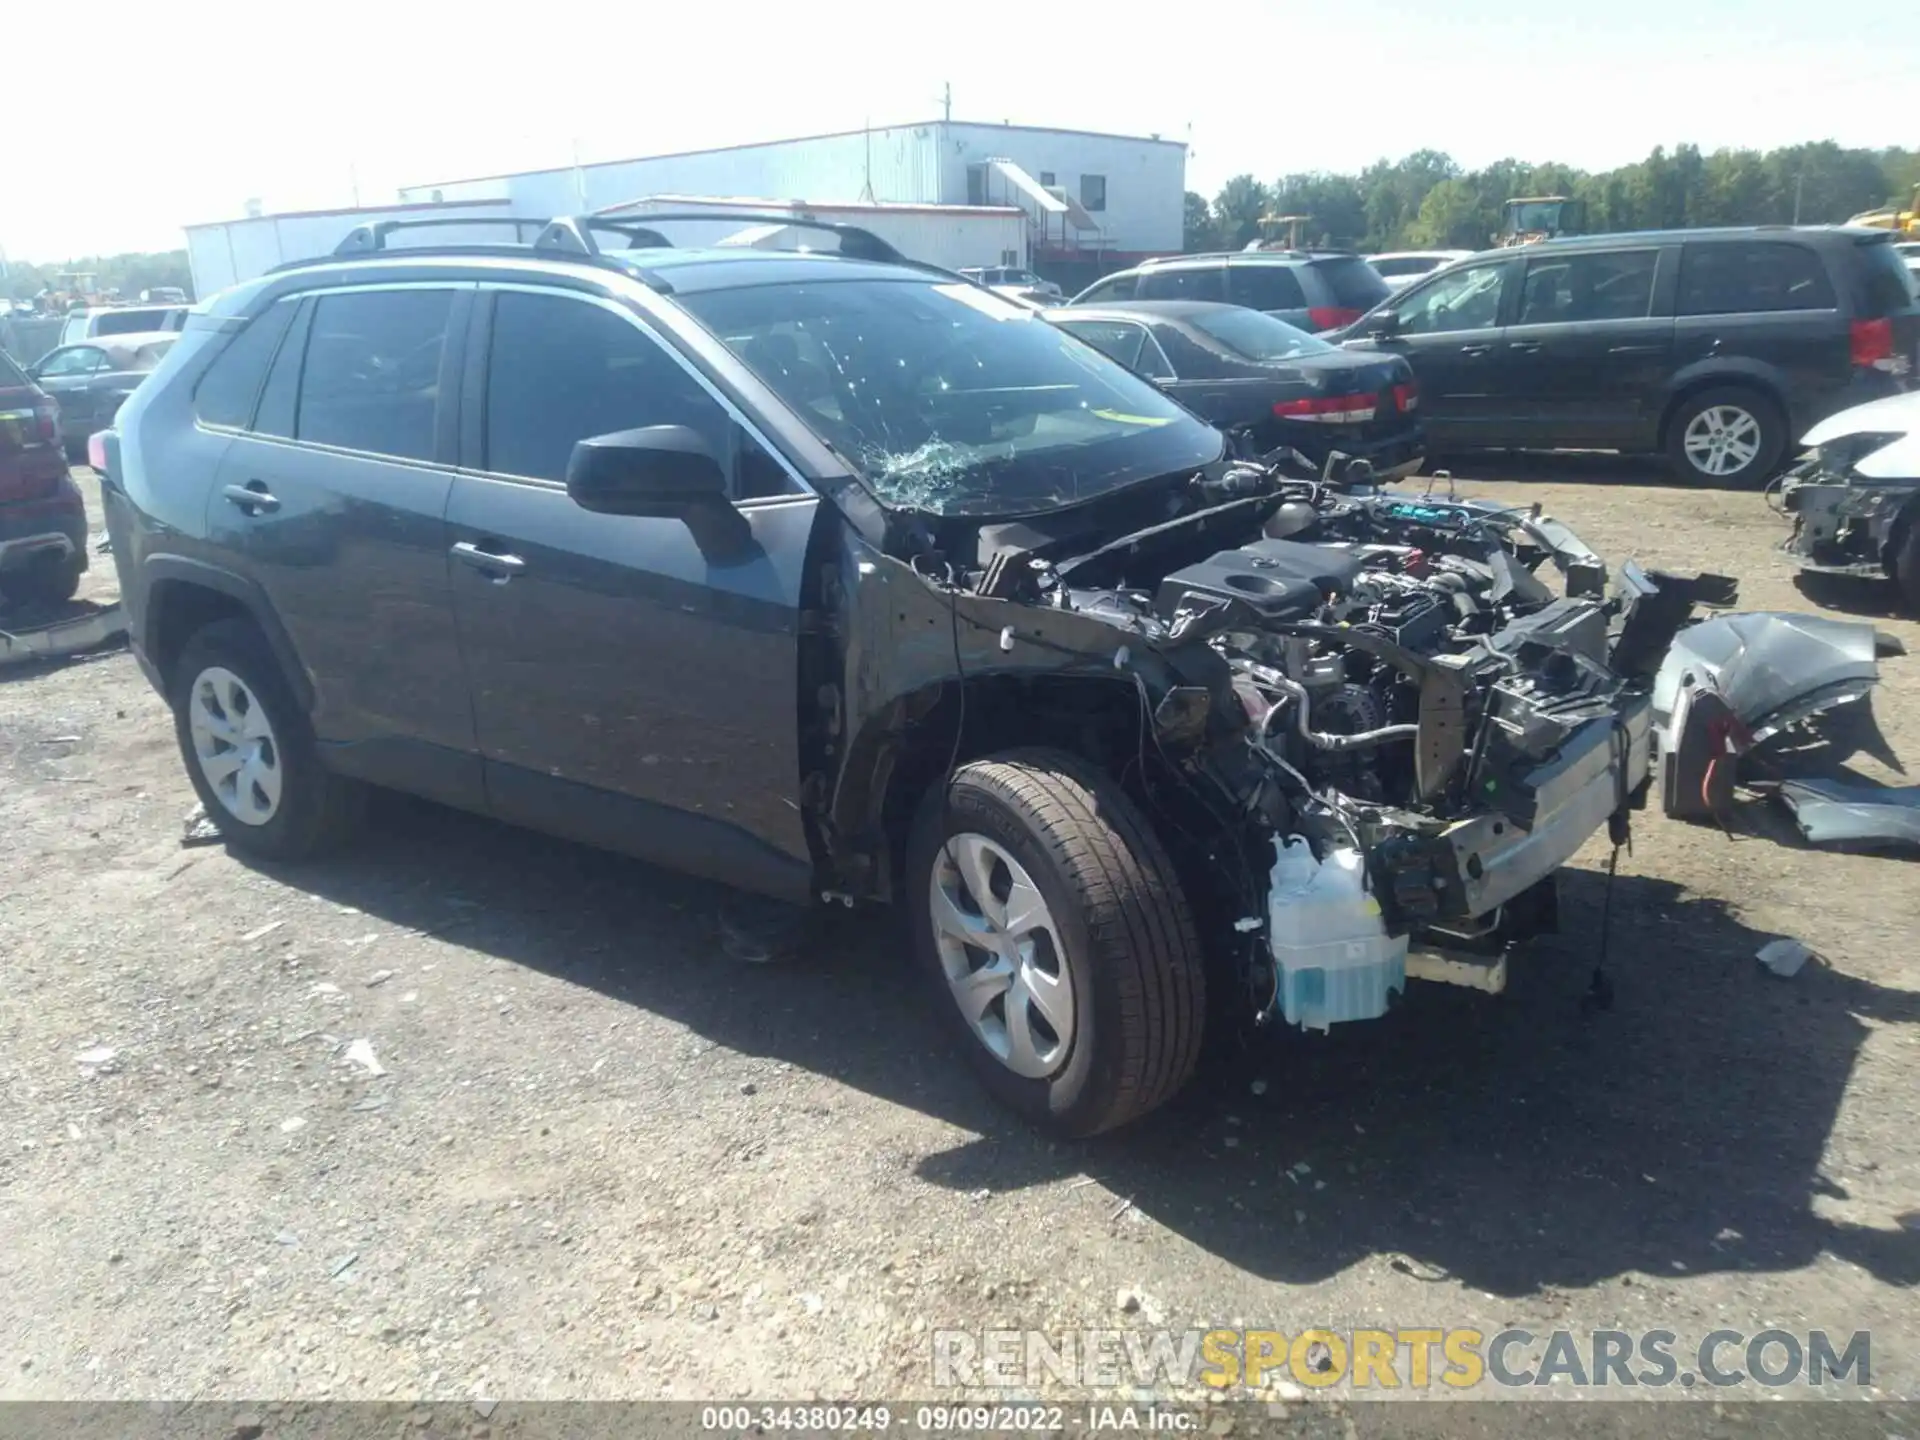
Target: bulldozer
(1540,217)
(1905,223)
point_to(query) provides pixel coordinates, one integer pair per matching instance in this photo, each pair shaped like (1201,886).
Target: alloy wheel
(234,743)
(1002,955)
(1722,440)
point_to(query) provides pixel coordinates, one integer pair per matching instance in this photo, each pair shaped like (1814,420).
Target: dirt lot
(605,1160)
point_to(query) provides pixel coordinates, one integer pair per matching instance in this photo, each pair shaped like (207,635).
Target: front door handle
(496,565)
(253,498)
(1525,347)
(1476,349)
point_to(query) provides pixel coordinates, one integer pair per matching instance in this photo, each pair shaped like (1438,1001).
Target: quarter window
(1265,287)
(372,375)
(561,371)
(1602,285)
(227,391)
(1747,276)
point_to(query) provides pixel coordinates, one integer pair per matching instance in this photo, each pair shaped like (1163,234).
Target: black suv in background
(1716,348)
(1310,289)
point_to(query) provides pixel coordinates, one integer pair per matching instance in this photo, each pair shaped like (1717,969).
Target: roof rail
(575,232)
(365,239)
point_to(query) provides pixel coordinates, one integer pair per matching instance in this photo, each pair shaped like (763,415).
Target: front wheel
(1052,927)
(1730,436)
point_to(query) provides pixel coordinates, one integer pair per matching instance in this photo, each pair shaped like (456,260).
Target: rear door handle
(496,565)
(1476,349)
(253,498)
(1636,350)
(1525,347)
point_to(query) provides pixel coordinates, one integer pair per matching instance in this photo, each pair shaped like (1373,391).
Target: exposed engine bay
(1407,727)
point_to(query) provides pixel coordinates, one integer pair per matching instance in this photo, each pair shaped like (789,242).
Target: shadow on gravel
(1852,594)
(1511,1144)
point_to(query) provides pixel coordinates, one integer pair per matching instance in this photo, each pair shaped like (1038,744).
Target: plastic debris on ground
(1785,958)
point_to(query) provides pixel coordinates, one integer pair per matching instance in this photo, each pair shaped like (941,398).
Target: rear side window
(1192,282)
(1265,287)
(561,371)
(372,377)
(1882,282)
(227,391)
(1601,285)
(1750,276)
(1120,287)
(129,322)
(1356,285)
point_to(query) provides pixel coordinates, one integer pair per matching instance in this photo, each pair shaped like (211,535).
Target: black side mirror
(661,470)
(1386,323)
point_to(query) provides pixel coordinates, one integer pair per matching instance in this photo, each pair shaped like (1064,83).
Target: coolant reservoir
(1290,519)
(1331,951)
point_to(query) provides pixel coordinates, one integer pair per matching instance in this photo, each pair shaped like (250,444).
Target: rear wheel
(1053,930)
(1729,436)
(250,751)
(42,582)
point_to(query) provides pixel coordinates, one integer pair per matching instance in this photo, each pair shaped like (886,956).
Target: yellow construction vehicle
(1902,222)
(1540,217)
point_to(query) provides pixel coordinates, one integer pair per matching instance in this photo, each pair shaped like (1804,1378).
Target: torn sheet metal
(1771,669)
(1856,813)
(63,637)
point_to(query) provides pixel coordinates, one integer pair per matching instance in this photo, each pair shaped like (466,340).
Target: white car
(1402,267)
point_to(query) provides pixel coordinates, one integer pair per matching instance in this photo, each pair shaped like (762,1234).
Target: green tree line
(1427,201)
(129,273)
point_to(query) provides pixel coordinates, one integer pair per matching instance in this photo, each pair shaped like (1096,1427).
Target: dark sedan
(1262,380)
(90,380)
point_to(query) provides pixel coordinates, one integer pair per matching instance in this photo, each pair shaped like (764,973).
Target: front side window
(1747,276)
(1093,192)
(1186,282)
(1459,300)
(1599,285)
(1118,340)
(80,360)
(560,371)
(1118,287)
(951,400)
(372,375)
(227,391)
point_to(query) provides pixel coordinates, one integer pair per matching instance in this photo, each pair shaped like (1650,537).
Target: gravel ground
(594,1157)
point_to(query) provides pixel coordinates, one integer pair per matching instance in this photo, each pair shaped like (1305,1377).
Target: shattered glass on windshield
(948,400)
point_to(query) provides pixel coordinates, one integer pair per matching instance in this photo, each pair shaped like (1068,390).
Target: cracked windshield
(947,399)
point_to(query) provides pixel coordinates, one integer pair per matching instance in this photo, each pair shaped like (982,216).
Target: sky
(186,109)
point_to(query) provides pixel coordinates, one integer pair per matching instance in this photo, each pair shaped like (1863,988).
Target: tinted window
(1883,282)
(1405,265)
(1733,279)
(1466,299)
(227,391)
(1118,287)
(281,398)
(1265,287)
(1253,336)
(130,322)
(949,399)
(1356,285)
(11,375)
(561,371)
(1093,192)
(372,377)
(1188,282)
(1116,339)
(1604,285)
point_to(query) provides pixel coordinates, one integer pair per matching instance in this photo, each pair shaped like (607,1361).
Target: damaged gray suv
(839,578)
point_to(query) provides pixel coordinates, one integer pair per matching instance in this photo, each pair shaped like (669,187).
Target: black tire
(317,809)
(1755,403)
(42,583)
(1131,952)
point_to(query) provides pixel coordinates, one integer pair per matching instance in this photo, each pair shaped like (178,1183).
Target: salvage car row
(1153,726)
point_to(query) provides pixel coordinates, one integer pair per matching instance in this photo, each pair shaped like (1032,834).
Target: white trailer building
(225,252)
(952,236)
